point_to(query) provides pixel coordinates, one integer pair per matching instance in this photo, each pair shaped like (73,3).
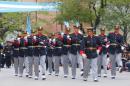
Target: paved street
(7,79)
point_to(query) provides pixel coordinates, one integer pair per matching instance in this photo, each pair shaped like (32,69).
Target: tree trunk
(125,33)
(98,17)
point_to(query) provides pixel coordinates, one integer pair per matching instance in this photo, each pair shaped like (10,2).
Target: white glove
(62,34)
(98,51)
(41,43)
(18,39)
(105,40)
(68,37)
(122,47)
(54,40)
(50,40)
(34,37)
(107,45)
(84,56)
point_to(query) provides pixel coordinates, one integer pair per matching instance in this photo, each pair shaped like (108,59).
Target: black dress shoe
(20,76)
(105,76)
(112,77)
(29,76)
(16,75)
(65,76)
(73,78)
(95,80)
(43,78)
(26,75)
(99,76)
(82,74)
(36,78)
(120,70)
(85,79)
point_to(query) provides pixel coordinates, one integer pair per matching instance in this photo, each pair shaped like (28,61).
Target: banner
(7,6)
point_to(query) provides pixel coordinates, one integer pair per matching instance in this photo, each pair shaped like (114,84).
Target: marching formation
(88,51)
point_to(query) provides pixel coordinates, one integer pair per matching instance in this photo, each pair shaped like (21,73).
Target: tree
(71,11)
(10,22)
(118,11)
(83,11)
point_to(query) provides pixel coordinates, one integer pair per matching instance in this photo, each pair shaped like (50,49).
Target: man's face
(76,29)
(102,31)
(67,31)
(90,32)
(40,31)
(117,30)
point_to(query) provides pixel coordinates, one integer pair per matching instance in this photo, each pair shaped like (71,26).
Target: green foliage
(84,11)
(72,10)
(13,21)
(117,12)
(10,22)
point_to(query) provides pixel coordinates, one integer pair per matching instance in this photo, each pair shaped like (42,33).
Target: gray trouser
(113,59)
(16,65)
(65,61)
(26,63)
(102,61)
(57,64)
(74,61)
(50,62)
(43,64)
(21,65)
(80,62)
(90,63)
(31,61)
(36,65)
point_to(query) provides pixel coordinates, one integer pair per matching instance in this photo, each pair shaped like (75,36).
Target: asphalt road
(7,79)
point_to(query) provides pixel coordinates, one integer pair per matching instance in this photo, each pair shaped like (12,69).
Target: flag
(9,6)
(28,25)
(66,23)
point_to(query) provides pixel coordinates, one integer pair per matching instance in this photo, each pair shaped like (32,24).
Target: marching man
(102,58)
(89,53)
(115,49)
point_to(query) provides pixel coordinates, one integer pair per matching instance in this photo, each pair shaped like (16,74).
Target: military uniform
(102,57)
(22,54)
(66,53)
(1,48)
(31,47)
(116,41)
(50,50)
(57,41)
(74,51)
(40,51)
(8,54)
(15,46)
(89,49)
(26,60)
